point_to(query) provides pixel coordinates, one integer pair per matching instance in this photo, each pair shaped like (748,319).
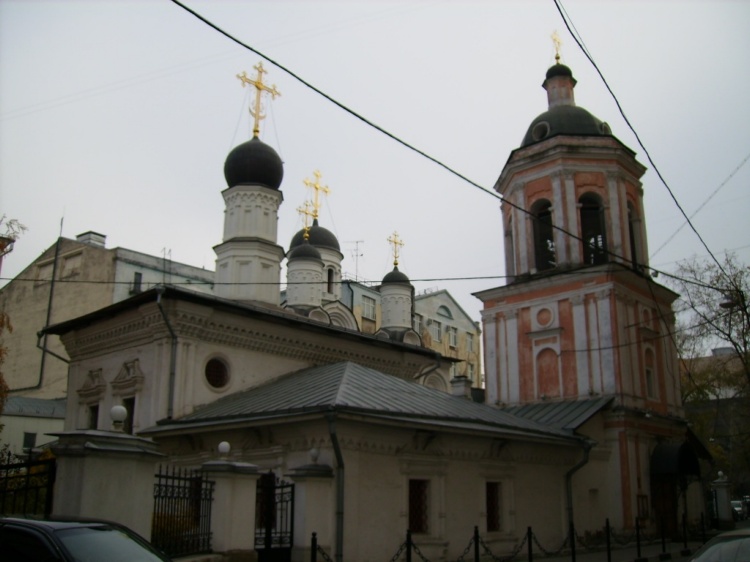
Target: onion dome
(559,70)
(304,251)
(396,277)
(318,236)
(254,163)
(563,117)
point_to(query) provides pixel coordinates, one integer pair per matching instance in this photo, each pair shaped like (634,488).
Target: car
(739,512)
(732,546)
(61,540)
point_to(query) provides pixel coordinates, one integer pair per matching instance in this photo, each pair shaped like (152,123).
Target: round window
(217,374)
(540,130)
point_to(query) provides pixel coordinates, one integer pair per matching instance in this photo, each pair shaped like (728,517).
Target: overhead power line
(392,136)
(568,22)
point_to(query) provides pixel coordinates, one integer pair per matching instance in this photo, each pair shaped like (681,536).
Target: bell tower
(581,327)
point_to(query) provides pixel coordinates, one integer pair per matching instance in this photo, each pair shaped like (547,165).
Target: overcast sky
(117,115)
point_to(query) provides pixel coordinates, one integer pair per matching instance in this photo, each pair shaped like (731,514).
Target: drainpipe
(587,445)
(172,356)
(40,336)
(331,417)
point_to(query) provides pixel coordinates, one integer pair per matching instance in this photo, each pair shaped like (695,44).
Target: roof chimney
(461,386)
(92,239)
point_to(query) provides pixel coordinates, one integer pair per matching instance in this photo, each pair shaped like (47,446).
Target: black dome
(253,162)
(304,251)
(396,276)
(564,120)
(558,70)
(318,237)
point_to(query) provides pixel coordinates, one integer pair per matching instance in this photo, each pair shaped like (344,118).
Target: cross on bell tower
(260,88)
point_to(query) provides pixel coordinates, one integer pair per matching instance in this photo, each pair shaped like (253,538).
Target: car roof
(55,524)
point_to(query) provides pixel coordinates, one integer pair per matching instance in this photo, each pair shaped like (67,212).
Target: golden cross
(305,211)
(260,87)
(397,243)
(557,42)
(317,188)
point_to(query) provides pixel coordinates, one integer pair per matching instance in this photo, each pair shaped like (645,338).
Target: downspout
(331,417)
(41,335)
(172,356)
(587,445)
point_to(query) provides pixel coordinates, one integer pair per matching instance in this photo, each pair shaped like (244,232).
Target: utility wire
(393,136)
(632,129)
(713,193)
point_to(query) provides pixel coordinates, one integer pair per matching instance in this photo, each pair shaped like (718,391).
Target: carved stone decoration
(93,388)
(129,380)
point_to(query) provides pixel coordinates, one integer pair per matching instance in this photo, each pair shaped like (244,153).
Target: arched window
(444,311)
(593,230)
(544,244)
(633,237)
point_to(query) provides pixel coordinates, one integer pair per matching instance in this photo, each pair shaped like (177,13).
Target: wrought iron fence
(181,522)
(26,486)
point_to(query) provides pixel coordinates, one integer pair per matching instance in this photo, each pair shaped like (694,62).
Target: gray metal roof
(352,388)
(34,407)
(568,415)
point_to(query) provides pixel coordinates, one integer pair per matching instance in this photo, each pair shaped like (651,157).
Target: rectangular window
(437,331)
(419,504)
(493,502)
(129,404)
(470,371)
(453,337)
(470,343)
(418,323)
(93,421)
(29,441)
(137,283)
(368,308)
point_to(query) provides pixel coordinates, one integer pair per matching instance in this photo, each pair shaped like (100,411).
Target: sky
(116,116)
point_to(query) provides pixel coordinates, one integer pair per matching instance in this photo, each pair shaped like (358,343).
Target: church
(582,419)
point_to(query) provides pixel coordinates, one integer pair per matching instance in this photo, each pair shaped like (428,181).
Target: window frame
(369,307)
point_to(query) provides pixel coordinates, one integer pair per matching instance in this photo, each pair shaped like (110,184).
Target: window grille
(419,506)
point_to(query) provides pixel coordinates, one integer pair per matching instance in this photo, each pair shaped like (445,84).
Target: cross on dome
(306,212)
(317,188)
(557,42)
(260,88)
(397,244)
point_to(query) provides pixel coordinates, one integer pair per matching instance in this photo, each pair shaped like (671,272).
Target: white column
(573,218)
(558,205)
(581,343)
(604,312)
(513,374)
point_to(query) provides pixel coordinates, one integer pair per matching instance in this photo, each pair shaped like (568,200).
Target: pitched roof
(34,407)
(347,387)
(567,415)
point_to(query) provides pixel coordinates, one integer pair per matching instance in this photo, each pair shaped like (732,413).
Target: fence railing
(26,486)
(600,541)
(181,523)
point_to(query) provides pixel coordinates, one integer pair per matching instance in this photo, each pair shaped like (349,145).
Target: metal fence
(181,523)
(26,486)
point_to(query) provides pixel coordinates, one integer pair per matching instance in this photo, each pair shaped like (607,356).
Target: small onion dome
(253,163)
(396,277)
(304,251)
(318,236)
(559,70)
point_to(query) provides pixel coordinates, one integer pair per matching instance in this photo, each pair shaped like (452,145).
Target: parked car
(739,512)
(31,540)
(732,546)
